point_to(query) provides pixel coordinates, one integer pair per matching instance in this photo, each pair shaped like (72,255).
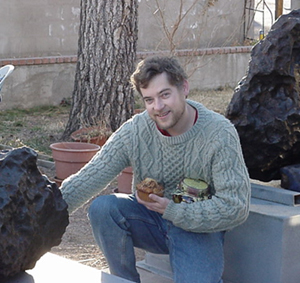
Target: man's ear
(186,88)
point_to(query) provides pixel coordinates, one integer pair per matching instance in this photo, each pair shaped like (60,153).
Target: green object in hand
(192,190)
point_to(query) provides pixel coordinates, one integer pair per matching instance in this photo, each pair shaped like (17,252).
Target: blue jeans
(120,223)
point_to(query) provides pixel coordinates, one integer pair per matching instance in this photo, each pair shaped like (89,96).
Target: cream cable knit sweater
(210,151)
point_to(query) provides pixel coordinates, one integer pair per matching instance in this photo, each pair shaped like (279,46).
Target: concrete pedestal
(266,248)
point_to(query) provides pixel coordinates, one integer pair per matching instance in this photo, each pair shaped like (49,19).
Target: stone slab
(53,268)
(277,195)
(157,264)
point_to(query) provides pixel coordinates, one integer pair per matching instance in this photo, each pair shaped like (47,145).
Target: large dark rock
(265,106)
(33,215)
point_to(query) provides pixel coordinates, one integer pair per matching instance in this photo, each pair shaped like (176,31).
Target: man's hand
(159,205)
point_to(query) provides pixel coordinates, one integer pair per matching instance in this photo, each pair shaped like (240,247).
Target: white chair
(5,71)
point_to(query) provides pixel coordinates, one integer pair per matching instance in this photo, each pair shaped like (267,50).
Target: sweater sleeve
(229,205)
(96,175)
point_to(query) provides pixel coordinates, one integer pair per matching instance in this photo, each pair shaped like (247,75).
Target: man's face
(165,103)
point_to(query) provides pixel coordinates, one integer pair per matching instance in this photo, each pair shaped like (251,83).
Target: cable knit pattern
(210,151)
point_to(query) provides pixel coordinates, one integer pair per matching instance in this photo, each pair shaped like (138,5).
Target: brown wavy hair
(152,66)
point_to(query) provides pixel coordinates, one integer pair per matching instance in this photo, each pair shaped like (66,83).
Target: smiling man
(179,144)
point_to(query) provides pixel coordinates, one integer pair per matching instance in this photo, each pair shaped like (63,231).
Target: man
(173,139)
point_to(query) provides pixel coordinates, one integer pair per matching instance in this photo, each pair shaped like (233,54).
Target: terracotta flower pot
(70,157)
(125,181)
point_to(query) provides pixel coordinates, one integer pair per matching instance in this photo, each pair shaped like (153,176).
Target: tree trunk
(106,59)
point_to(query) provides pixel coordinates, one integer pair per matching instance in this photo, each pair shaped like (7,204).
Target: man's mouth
(163,115)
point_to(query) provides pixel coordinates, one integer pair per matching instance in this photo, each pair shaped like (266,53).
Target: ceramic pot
(125,181)
(70,157)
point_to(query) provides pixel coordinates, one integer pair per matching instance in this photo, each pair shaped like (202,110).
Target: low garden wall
(48,80)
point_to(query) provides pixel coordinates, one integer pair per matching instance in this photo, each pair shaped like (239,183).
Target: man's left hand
(159,205)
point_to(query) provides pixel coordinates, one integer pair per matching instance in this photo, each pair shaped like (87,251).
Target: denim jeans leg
(119,224)
(196,257)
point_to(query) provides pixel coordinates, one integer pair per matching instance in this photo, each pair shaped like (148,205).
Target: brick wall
(47,80)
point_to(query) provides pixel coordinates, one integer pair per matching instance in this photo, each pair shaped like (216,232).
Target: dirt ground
(77,242)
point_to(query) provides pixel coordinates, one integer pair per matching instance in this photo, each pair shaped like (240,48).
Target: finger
(154,197)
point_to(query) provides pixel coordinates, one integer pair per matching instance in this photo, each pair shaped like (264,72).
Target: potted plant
(70,157)
(97,134)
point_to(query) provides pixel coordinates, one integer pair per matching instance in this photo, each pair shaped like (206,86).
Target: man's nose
(158,104)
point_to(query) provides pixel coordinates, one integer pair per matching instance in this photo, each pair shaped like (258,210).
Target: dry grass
(216,100)
(36,128)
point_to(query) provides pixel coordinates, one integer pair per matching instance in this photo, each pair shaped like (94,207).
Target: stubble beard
(174,120)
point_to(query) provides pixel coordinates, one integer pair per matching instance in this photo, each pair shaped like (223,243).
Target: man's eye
(166,94)
(148,100)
